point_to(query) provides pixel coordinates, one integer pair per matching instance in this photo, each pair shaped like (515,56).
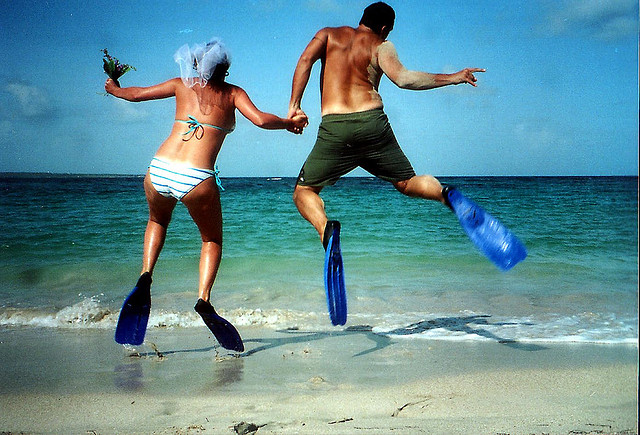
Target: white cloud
(31,101)
(128,112)
(606,20)
(618,27)
(537,134)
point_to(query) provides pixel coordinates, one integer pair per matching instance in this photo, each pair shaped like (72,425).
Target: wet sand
(346,382)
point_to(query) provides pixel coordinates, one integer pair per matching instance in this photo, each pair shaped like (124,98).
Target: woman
(183,168)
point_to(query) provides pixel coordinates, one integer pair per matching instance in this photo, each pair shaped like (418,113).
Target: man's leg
(311,206)
(421,186)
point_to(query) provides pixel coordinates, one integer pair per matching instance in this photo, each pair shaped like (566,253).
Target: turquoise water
(70,251)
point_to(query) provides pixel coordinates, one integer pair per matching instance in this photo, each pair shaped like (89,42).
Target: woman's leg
(203,203)
(160,210)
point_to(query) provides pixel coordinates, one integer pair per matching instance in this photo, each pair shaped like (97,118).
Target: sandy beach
(347,382)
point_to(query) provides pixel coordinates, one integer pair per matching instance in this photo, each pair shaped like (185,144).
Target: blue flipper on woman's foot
(334,274)
(132,322)
(225,332)
(492,238)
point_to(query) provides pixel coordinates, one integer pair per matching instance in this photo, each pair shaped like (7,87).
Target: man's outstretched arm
(314,51)
(417,80)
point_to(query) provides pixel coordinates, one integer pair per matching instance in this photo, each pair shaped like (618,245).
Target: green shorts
(346,141)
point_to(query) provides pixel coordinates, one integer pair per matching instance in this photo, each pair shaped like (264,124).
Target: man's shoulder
(342,30)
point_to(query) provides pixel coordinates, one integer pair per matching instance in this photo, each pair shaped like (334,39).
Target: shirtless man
(354,130)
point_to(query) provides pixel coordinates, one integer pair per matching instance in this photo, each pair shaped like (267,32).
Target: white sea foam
(90,313)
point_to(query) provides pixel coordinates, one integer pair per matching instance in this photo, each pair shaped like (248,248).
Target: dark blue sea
(71,246)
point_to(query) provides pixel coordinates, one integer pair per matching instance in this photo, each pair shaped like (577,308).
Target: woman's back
(204,116)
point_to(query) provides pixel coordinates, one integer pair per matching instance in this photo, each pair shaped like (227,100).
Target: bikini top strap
(195,126)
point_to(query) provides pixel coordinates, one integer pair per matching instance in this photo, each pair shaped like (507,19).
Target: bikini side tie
(216,171)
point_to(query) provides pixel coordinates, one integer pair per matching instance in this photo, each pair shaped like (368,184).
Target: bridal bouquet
(113,68)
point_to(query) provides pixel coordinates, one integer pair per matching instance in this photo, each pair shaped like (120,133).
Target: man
(354,130)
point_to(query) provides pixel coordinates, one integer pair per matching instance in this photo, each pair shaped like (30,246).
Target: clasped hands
(300,120)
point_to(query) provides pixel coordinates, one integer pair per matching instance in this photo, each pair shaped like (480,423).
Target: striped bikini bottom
(175,180)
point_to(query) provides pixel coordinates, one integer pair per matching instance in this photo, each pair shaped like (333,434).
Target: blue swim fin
(132,323)
(492,238)
(334,275)
(226,334)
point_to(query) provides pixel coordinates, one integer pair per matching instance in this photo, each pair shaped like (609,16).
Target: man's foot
(328,232)
(334,274)
(225,332)
(445,195)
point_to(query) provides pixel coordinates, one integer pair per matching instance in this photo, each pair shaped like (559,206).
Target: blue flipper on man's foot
(225,332)
(492,238)
(132,322)
(334,274)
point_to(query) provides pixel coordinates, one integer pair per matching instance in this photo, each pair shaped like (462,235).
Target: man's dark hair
(377,15)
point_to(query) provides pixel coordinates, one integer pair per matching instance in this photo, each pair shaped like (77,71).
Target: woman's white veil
(198,62)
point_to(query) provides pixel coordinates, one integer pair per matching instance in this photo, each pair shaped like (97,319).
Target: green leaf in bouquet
(112,67)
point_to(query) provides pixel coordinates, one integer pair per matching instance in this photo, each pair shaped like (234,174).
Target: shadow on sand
(130,377)
(471,325)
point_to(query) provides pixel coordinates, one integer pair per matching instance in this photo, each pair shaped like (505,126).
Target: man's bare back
(350,72)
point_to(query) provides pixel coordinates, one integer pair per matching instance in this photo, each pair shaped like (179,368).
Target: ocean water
(70,251)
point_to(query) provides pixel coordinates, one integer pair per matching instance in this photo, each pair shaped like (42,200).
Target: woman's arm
(134,93)
(266,120)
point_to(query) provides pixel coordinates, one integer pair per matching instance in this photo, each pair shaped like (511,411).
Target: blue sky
(560,95)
